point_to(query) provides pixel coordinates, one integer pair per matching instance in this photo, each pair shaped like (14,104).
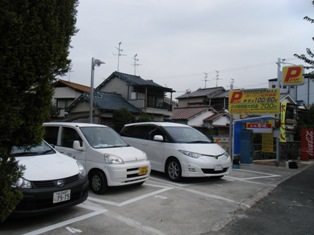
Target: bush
(121,117)
(9,174)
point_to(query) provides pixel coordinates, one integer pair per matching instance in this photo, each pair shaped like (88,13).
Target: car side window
(156,131)
(51,134)
(68,136)
(139,132)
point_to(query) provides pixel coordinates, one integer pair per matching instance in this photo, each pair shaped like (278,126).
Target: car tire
(98,182)
(174,170)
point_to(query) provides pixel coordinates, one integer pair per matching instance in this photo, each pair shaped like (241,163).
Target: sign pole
(278,136)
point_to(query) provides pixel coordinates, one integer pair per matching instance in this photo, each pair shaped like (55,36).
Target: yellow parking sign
(292,75)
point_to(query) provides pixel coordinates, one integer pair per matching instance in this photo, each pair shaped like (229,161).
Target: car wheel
(173,170)
(98,182)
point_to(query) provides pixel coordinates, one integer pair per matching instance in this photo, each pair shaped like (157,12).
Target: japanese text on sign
(255,101)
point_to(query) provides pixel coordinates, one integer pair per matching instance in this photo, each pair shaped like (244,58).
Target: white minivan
(107,158)
(178,150)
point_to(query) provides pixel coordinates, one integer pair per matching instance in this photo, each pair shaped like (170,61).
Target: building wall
(118,86)
(198,120)
(222,121)
(63,98)
(300,92)
(188,102)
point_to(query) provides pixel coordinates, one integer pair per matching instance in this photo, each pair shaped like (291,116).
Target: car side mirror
(158,138)
(77,145)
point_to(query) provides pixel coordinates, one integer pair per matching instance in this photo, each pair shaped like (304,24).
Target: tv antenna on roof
(135,64)
(217,77)
(205,78)
(119,54)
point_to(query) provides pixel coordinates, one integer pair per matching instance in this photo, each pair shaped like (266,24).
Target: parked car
(51,180)
(107,158)
(178,150)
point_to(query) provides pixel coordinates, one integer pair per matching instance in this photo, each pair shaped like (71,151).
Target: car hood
(204,148)
(128,154)
(48,167)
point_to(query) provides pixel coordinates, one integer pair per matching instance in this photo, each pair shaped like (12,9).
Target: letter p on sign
(292,75)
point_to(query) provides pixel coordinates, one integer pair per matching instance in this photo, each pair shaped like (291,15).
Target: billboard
(283,110)
(255,101)
(292,75)
(260,126)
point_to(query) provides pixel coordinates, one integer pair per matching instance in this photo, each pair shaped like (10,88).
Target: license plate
(218,168)
(61,196)
(143,170)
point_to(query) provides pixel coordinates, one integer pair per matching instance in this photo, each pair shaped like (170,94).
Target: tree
(144,117)
(34,44)
(120,117)
(309,59)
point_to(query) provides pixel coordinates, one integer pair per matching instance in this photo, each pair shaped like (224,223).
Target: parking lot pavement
(194,206)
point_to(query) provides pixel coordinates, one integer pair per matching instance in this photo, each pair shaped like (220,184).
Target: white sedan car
(51,181)
(178,150)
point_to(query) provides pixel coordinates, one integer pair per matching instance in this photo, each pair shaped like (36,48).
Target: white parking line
(166,182)
(164,189)
(96,211)
(257,172)
(136,224)
(214,196)
(231,178)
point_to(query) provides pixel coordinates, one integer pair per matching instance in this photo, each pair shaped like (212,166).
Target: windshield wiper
(47,151)
(199,141)
(26,154)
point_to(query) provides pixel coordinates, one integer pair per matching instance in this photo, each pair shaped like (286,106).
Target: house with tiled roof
(192,116)
(204,118)
(148,96)
(104,104)
(217,97)
(65,92)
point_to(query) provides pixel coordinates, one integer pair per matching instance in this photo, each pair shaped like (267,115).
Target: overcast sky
(178,41)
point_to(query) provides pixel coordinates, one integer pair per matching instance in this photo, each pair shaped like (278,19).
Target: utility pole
(231,126)
(279,75)
(119,54)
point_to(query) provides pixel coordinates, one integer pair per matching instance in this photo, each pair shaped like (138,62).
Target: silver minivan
(178,150)
(107,158)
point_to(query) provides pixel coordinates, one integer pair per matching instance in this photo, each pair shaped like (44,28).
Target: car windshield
(41,149)
(103,137)
(186,135)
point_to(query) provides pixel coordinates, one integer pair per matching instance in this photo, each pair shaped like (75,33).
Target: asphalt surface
(288,209)
(257,198)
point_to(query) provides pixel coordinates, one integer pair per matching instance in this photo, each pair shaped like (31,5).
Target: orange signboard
(255,101)
(292,75)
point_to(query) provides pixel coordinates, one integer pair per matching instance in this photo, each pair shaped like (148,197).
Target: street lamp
(98,63)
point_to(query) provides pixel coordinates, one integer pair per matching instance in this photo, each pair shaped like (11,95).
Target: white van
(178,150)
(107,158)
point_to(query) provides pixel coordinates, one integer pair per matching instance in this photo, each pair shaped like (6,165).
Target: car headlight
(22,183)
(82,171)
(190,154)
(227,155)
(113,159)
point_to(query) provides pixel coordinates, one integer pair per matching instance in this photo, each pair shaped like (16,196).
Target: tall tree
(309,58)
(34,44)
